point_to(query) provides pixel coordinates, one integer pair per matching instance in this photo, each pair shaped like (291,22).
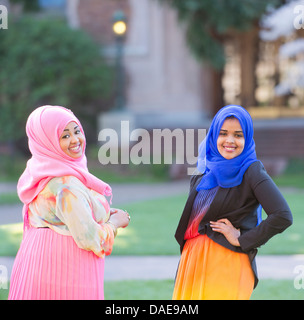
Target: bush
(42,62)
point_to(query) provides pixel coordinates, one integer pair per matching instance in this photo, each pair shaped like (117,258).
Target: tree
(32,5)
(210,22)
(286,26)
(45,62)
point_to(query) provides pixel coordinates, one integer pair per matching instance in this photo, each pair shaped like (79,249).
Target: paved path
(164,267)
(6,187)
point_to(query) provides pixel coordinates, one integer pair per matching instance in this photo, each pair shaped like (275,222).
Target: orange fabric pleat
(209,271)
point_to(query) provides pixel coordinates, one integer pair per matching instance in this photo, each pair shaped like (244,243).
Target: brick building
(164,80)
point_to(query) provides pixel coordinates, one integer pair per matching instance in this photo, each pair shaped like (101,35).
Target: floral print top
(68,207)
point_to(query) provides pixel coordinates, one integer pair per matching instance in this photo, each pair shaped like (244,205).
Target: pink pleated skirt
(50,266)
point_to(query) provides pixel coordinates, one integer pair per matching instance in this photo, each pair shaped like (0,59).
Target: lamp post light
(119,29)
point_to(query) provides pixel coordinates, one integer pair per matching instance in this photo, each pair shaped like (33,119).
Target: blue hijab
(217,170)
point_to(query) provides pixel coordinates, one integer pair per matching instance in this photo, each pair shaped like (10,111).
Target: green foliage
(209,21)
(31,5)
(43,61)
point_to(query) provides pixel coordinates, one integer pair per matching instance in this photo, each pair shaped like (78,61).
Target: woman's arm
(279,216)
(74,210)
(269,196)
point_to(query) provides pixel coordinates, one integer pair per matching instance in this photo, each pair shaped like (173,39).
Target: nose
(230,139)
(74,139)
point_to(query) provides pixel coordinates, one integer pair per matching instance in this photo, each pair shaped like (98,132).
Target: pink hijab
(44,128)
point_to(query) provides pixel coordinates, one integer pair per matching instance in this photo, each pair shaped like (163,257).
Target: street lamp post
(119,29)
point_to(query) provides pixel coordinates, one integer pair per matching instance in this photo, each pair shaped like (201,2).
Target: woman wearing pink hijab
(68,224)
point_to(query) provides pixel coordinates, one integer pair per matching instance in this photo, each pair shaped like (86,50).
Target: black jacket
(239,205)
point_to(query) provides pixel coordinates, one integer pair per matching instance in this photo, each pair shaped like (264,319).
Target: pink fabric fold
(44,128)
(50,266)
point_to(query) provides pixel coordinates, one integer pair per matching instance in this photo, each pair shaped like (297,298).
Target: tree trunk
(217,98)
(249,43)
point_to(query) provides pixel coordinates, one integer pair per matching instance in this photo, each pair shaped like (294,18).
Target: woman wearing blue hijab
(221,228)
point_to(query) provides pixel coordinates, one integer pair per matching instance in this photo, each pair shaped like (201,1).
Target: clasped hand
(120,218)
(225,227)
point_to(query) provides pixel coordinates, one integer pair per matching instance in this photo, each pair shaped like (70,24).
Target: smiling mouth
(75,149)
(229,149)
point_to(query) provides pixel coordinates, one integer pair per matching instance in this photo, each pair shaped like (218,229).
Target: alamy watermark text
(3,17)
(140,146)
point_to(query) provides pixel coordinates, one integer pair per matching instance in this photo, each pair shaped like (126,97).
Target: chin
(75,155)
(229,156)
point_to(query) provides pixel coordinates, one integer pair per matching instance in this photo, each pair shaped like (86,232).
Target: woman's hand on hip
(225,227)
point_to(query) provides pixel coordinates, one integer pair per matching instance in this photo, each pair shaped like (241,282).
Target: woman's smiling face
(72,140)
(231,141)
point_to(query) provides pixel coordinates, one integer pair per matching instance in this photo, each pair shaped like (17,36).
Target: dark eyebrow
(234,131)
(69,130)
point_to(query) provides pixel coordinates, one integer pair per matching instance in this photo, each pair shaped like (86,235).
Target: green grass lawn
(153,224)
(9,198)
(10,238)
(151,231)
(293,175)
(162,290)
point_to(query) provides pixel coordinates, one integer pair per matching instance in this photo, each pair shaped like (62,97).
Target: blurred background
(159,64)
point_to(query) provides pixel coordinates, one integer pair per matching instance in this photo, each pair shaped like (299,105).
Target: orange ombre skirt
(209,271)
